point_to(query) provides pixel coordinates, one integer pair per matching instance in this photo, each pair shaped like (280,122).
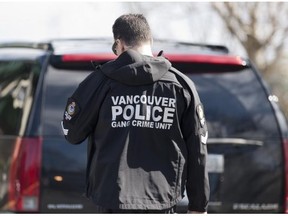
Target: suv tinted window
(236,105)
(18,80)
(59,85)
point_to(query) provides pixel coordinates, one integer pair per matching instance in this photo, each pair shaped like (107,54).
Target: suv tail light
(285,143)
(24,181)
(186,63)
(88,57)
(204,59)
(212,59)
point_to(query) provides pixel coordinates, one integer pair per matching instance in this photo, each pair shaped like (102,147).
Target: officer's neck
(144,49)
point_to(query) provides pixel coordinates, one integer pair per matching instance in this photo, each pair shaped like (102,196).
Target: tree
(261,27)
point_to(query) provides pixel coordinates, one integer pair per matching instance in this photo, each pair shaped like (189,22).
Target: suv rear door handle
(234,141)
(232,146)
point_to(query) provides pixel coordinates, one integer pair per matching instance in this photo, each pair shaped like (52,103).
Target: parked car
(41,172)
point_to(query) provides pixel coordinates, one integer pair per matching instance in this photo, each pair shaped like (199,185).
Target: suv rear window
(235,102)
(18,81)
(236,105)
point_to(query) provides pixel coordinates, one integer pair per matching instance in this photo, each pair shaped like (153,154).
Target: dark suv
(41,172)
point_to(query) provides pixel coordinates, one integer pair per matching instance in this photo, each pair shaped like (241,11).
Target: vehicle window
(18,80)
(236,105)
(59,86)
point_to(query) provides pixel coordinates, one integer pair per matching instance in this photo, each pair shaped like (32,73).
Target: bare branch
(261,15)
(226,17)
(232,9)
(253,16)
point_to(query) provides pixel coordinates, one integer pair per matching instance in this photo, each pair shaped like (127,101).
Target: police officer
(146,128)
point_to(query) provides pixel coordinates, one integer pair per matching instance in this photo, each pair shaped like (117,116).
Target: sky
(42,20)
(46,20)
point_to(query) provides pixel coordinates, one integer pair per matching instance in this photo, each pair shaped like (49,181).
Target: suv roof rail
(221,48)
(40,45)
(218,48)
(108,39)
(51,43)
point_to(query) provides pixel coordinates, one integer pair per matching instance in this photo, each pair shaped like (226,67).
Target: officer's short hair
(133,29)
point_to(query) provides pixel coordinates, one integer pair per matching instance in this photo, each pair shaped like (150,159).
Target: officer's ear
(121,46)
(115,47)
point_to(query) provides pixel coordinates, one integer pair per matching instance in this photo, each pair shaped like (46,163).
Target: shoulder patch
(72,109)
(201,116)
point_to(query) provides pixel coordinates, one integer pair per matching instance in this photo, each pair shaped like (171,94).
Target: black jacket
(147,134)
